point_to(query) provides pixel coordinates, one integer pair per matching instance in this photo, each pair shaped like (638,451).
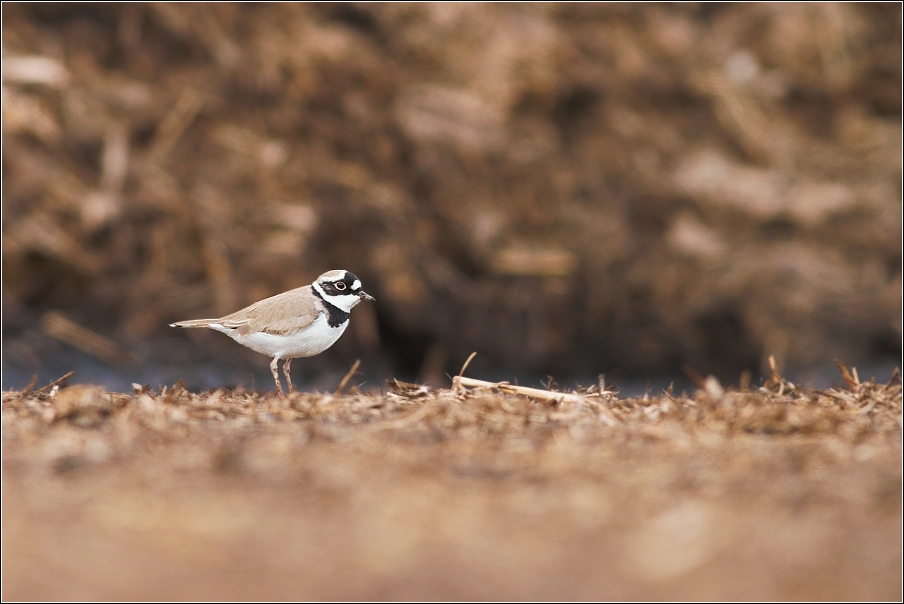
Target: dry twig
(59,380)
(348,376)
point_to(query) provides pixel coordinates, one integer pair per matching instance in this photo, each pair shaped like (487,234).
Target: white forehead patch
(356,284)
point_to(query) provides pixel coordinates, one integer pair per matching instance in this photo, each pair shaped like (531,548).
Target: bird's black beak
(364,295)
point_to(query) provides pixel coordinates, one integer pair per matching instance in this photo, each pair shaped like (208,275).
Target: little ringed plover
(298,323)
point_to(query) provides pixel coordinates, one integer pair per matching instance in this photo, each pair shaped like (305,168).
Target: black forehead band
(329,287)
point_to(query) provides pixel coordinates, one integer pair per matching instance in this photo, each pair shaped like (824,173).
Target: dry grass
(776,492)
(558,185)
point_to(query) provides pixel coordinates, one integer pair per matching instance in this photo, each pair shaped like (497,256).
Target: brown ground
(770,493)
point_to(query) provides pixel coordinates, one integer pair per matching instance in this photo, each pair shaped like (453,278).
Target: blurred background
(568,190)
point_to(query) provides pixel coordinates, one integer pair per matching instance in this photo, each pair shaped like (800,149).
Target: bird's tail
(194,323)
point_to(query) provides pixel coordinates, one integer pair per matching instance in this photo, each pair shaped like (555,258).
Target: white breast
(313,340)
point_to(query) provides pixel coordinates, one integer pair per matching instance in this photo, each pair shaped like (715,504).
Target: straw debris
(396,483)
(557,182)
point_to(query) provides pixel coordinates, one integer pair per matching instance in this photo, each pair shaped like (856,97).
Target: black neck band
(337,316)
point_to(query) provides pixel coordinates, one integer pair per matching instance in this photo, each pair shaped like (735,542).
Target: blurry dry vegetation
(564,188)
(775,493)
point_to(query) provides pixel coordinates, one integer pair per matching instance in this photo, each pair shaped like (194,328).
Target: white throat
(345,303)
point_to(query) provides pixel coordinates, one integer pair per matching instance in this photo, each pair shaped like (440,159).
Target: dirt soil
(774,492)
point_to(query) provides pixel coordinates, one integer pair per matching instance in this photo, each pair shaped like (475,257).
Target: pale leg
(288,373)
(274,368)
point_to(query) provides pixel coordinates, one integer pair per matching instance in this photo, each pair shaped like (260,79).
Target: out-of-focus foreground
(776,493)
(567,189)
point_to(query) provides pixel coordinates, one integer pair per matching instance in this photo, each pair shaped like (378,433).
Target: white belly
(314,340)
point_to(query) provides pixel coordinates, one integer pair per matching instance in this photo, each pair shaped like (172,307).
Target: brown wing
(287,312)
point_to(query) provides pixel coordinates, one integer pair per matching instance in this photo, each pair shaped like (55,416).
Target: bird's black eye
(340,285)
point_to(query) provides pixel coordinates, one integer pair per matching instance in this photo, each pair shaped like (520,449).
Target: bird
(301,322)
